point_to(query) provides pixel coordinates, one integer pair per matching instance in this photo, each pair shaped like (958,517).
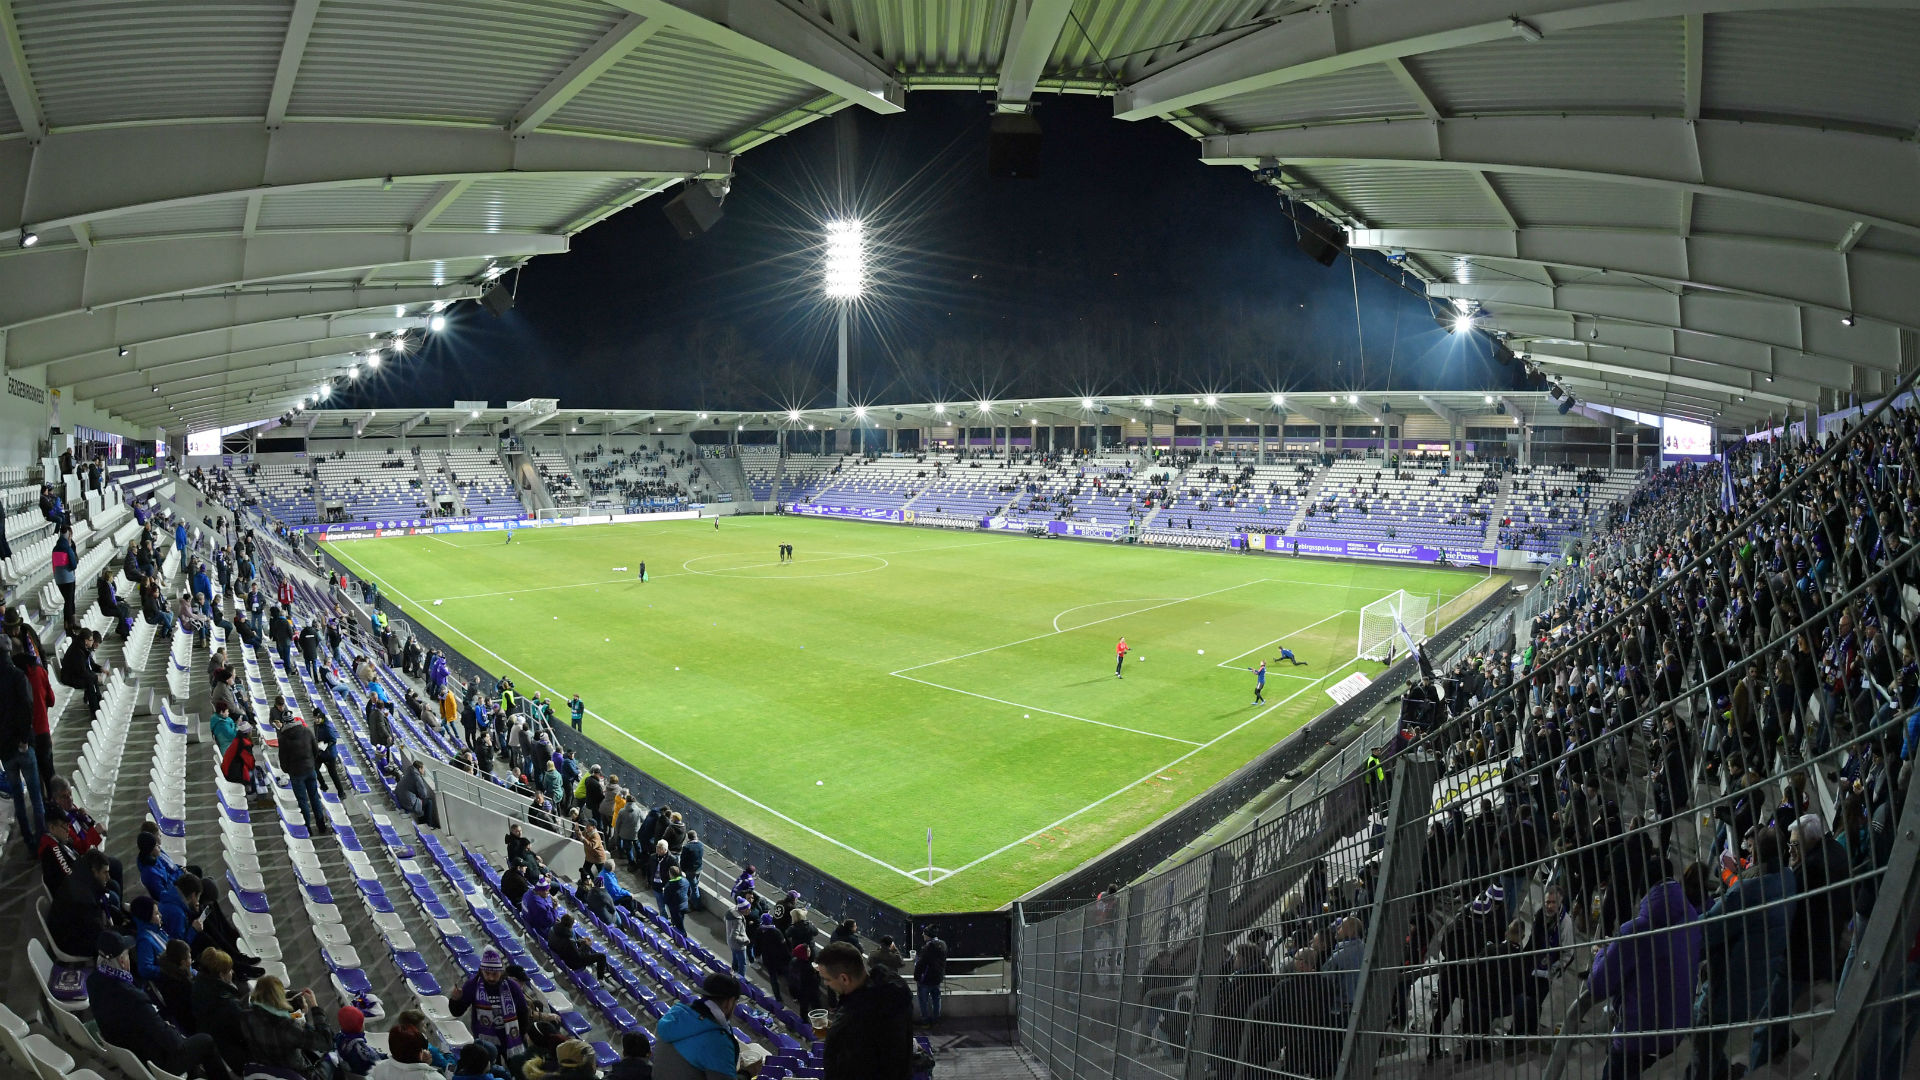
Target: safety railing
(1538,885)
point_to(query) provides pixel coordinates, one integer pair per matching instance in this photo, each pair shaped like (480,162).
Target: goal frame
(1380,621)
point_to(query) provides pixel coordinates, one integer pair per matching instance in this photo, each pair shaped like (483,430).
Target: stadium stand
(369,485)
(1417,499)
(556,471)
(482,483)
(1665,830)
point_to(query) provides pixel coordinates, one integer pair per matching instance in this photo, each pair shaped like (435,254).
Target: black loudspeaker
(1323,249)
(497,300)
(693,211)
(1013,146)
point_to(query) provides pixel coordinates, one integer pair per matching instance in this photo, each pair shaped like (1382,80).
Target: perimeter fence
(1674,834)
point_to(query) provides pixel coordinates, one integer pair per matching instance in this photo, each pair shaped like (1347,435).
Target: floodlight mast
(845,274)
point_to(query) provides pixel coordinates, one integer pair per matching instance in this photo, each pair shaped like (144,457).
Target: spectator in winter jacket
(16,748)
(275,1036)
(357,1057)
(219,1007)
(694,1042)
(300,759)
(84,907)
(737,920)
(128,1018)
(871,1035)
(636,1058)
(929,971)
(675,833)
(149,938)
(1817,935)
(1745,938)
(693,857)
(1648,973)
(674,896)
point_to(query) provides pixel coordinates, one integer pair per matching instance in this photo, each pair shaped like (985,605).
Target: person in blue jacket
(694,1041)
(149,938)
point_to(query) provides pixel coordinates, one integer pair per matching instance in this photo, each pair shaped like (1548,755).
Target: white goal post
(1380,624)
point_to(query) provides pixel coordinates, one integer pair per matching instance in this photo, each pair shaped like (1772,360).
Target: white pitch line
(1229,661)
(1107,603)
(1122,791)
(749,800)
(1082,626)
(1049,712)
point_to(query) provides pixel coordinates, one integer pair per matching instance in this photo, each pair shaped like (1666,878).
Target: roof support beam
(1405,77)
(56,282)
(1737,363)
(626,36)
(413,421)
(18,78)
(1036,29)
(293,49)
(1514,409)
(204,325)
(87,175)
(1701,324)
(143,375)
(310,372)
(786,41)
(448,193)
(1452,417)
(239,341)
(1695,63)
(1657,399)
(1309,413)
(1340,37)
(1844,174)
(1872,284)
(1645,366)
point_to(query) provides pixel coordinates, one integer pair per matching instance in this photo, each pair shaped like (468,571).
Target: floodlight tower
(845,274)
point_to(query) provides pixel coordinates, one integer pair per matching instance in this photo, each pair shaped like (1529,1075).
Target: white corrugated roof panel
(925,36)
(1636,67)
(1747,217)
(1402,197)
(1356,93)
(1552,200)
(680,88)
(441,59)
(1854,67)
(548,204)
(107,61)
(1133,37)
(213,216)
(344,207)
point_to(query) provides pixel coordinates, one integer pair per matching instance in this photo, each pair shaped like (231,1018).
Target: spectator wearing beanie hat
(407,1053)
(357,1057)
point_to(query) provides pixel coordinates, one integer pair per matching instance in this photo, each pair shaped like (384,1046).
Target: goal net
(1380,624)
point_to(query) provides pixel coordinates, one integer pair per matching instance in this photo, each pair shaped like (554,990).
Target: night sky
(1128,267)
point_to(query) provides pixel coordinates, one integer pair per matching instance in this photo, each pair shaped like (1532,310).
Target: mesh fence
(1672,834)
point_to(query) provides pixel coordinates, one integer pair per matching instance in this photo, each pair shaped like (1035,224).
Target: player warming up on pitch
(1120,659)
(1259,683)
(1287,655)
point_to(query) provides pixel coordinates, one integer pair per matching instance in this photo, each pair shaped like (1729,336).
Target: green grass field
(892,680)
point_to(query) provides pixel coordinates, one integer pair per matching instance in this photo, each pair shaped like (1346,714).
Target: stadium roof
(1700,207)
(547,417)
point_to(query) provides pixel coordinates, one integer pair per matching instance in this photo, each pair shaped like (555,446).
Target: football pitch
(889,680)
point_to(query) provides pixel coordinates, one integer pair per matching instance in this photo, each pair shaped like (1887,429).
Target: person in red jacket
(1119,658)
(32,662)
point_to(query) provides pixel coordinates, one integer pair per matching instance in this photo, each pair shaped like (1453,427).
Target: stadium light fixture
(1847,319)
(941,409)
(1462,323)
(28,238)
(809,428)
(1333,399)
(1486,399)
(860,411)
(1279,399)
(986,406)
(1086,403)
(1212,401)
(793,415)
(1148,402)
(475,415)
(326,391)
(1353,399)
(846,263)
(437,323)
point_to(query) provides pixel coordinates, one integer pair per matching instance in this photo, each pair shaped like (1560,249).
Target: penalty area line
(1049,712)
(1229,662)
(1109,797)
(662,754)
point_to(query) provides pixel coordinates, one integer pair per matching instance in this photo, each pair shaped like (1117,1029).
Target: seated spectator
(283,1033)
(414,796)
(538,911)
(573,1060)
(571,948)
(127,1018)
(173,982)
(149,938)
(357,1057)
(85,907)
(636,1058)
(409,1055)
